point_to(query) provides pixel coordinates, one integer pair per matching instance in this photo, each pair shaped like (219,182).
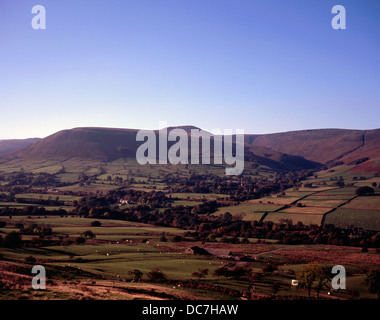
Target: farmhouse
(123,201)
(197,250)
(53,191)
(241,257)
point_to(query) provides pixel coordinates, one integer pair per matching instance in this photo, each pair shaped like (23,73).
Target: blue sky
(259,65)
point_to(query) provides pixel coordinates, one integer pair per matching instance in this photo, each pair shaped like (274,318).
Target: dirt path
(266,252)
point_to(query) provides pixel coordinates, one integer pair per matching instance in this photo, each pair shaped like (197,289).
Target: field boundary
(293,203)
(333,209)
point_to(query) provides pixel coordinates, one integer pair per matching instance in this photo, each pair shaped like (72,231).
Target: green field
(249,211)
(23,205)
(118,249)
(122,246)
(112,258)
(369,220)
(45,196)
(306,219)
(185,203)
(74,226)
(364,203)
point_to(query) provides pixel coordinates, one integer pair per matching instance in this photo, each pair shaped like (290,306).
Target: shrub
(156,276)
(12,240)
(96,223)
(88,234)
(361,191)
(66,242)
(80,240)
(275,287)
(373,282)
(269,268)
(136,274)
(177,238)
(201,273)
(31,260)
(236,273)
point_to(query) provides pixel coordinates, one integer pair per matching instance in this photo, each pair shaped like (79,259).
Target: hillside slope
(93,143)
(109,144)
(294,150)
(7,146)
(322,145)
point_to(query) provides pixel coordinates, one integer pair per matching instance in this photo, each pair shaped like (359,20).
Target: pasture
(343,217)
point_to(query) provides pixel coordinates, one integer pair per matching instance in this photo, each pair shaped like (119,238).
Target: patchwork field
(100,268)
(368,220)
(364,203)
(250,211)
(306,219)
(100,265)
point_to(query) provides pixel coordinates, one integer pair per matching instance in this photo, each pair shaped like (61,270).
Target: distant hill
(109,144)
(326,145)
(7,146)
(321,145)
(295,150)
(93,143)
(368,155)
(279,160)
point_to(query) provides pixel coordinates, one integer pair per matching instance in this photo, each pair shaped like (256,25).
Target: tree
(31,260)
(275,287)
(220,272)
(240,272)
(88,234)
(96,223)
(80,240)
(201,273)
(156,276)
(136,274)
(323,276)
(235,273)
(177,238)
(312,273)
(269,268)
(361,191)
(373,282)
(12,240)
(19,226)
(163,238)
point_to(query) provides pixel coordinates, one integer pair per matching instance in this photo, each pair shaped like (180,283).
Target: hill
(92,143)
(7,146)
(295,150)
(278,160)
(355,147)
(110,144)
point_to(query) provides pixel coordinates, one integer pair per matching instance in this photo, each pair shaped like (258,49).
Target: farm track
(266,252)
